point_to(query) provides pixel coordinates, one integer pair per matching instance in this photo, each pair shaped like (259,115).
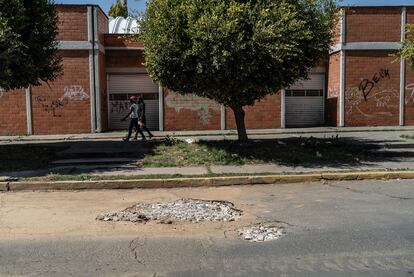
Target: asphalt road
(333,229)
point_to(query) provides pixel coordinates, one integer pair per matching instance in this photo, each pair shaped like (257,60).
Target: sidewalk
(394,132)
(104,156)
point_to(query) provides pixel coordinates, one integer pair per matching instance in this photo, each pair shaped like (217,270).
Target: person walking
(133,114)
(142,121)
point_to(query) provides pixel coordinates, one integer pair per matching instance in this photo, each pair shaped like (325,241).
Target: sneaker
(125,139)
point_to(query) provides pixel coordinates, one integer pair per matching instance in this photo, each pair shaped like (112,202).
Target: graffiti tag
(410,87)
(71,93)
(366,86)
(50,106)
(119,107)
(74,93)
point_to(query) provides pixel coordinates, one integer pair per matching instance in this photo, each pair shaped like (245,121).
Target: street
(332,229)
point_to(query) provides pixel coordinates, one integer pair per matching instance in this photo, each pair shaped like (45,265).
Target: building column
(282,109)
(95,46)
(160,107)
(223,117)
(91,67)
(402,67)
(29,121)
(342,70)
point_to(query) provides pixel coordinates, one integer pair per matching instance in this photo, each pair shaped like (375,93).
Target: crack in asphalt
(133,246)
(369,192)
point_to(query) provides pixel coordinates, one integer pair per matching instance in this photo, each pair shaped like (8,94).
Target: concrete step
(94,161)
(97,155)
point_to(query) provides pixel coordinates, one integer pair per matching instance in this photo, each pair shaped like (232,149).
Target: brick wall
(189,112)
(332,94)
(372,82)
(263,115)
(124,58)
(73,23)
(373,24)
(63,106)
(13,112)
(102,25)
(337,31)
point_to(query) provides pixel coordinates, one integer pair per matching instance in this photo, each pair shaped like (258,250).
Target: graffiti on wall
(202,106)
(410,98)
(372,90)
(74,93)
(49,105)
(332,93)
(119,107)
(53,106)
(367,85)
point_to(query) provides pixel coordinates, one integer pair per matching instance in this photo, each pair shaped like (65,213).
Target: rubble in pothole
(182,210)
(261,232)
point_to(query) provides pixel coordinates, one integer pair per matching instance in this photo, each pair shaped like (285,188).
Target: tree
(407,50)
(235,51)
(28,46)
(119,9)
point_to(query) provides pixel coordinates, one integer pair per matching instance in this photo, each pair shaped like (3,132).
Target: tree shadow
(311,152)
(25,160)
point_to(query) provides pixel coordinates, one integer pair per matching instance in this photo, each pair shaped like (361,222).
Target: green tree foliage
(28,46)
(235,51)
(407,51)
(119,9)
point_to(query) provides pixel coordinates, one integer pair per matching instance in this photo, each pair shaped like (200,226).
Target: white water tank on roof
(121,25)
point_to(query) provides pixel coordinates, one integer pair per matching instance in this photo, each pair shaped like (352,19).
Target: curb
(203,182)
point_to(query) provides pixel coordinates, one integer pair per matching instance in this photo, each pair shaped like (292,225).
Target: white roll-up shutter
(304,103)
(121,88)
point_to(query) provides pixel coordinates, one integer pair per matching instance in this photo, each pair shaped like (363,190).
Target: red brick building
(362,84)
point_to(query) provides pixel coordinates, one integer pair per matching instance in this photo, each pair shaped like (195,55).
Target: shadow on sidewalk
(93,157)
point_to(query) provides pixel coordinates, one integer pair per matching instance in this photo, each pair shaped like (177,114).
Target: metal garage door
(121,88)
(304,103)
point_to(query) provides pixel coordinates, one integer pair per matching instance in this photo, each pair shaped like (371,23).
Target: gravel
(192,210)
(261,233)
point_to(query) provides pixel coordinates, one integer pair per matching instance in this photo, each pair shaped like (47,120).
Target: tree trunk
(241,128)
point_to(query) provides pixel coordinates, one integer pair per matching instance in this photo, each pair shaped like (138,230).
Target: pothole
(261,232)
(192,210)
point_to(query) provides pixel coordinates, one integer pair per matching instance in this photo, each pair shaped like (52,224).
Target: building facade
(363,83)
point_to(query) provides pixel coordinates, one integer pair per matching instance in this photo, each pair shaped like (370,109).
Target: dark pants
(144,127)
(134,124)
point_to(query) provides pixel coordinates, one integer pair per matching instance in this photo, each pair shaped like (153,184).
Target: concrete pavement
(333,229)
(392,132)
(99,155)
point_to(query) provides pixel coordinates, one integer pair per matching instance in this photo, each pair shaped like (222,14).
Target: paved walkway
(391,132)
(101,155)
